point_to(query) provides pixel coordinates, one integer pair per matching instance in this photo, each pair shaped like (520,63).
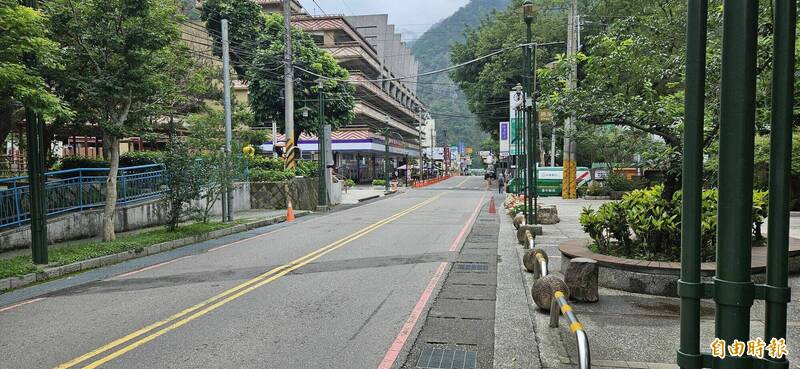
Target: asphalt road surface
(341,290)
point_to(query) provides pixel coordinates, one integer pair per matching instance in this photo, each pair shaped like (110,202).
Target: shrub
(265,163)
(597,189)
(349,183)
(308,168)
(379,182)
(76,162)
(182,184)
(263,175)
(618,182)
(137,158)
(644,225)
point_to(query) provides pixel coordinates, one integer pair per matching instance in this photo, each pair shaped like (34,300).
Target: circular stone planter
(587,197)
(658,277)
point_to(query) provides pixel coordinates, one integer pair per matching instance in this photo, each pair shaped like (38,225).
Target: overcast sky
(412,17)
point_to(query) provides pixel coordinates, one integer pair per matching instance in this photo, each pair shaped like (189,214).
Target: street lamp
(386,132)
(532,195)
(323,183)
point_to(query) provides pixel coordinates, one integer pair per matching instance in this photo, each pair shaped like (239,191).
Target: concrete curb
(369,198)
(58,271)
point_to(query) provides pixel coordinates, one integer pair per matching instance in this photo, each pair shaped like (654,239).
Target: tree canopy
(23,34)
(123,61)
(257,48)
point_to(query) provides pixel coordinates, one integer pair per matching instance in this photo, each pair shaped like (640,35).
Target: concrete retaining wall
(272,195)
(88,223)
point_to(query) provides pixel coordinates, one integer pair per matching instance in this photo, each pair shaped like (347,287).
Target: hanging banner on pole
(516,141)
(505,140)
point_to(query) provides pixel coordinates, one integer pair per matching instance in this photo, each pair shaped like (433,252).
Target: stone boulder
(581,278)
(547,214)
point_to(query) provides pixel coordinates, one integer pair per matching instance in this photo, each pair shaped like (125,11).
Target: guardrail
(428,182)
(560,305)
(78,190)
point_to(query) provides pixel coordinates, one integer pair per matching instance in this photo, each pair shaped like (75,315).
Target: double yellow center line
(211,304)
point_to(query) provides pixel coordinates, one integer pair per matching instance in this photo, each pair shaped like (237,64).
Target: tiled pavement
(625,330)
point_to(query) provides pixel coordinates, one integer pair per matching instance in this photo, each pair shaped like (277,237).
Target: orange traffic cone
(492,207)
(289,212)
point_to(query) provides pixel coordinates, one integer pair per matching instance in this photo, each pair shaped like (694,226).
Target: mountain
(446,101)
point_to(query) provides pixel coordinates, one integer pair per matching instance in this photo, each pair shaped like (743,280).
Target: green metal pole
(532,134)
(690,288)
(530,155)
(785,21)
(323,191)
(36,178)
(733,286)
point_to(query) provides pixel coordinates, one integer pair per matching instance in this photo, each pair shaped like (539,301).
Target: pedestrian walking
(501,183)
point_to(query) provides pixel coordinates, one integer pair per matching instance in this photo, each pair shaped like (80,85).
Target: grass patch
(22,265)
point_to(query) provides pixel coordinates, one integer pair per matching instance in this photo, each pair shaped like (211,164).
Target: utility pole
(569,190)
(288,85)
(36,169)
(226,81)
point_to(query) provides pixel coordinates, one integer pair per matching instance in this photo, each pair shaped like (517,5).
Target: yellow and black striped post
(290,155)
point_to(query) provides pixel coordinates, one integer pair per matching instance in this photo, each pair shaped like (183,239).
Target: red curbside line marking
(405,332)
(411,322)
(7,308)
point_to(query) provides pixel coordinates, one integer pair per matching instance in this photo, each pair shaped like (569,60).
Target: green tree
(118,56)
(257,49)
(487,83)
(23,34)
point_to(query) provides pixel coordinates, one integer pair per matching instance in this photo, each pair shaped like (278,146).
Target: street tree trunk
(111,141)
(110,208)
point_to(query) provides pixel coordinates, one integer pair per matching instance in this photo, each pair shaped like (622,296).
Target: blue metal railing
(77,190)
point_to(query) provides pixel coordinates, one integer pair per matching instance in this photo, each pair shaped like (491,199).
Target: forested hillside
(445,99)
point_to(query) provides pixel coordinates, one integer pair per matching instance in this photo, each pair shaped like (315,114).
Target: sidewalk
(358,194)
(625,330)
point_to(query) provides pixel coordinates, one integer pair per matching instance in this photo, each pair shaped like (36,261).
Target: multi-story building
(388,111)
(382,68)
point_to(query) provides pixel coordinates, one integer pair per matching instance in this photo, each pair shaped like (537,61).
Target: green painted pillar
(36,168)
(733,287)
(530,155)
(689,287)
(785,20)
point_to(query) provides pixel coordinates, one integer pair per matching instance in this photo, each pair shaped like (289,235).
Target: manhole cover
(472,267)
(440,358)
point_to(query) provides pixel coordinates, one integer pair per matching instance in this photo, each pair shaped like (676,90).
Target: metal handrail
(79,189)
(560,304)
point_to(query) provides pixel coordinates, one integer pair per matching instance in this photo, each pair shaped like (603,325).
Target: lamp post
(531,200)
(518,130)
(386,132)
(323,186)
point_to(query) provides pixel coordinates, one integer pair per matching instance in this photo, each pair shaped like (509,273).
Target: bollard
(526,234)
(544,288)
(535,261)
(519,220)
(559,304)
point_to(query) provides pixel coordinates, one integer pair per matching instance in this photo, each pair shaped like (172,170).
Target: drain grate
(440,358)
(472,267)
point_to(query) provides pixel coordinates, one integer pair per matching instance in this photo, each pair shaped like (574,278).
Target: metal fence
(77,190)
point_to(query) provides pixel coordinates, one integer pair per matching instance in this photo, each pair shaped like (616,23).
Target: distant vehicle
(477,172)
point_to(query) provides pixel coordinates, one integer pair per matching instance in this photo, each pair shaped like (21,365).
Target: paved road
(334,291)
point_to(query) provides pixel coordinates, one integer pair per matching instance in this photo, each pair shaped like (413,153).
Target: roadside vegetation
(80,251)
